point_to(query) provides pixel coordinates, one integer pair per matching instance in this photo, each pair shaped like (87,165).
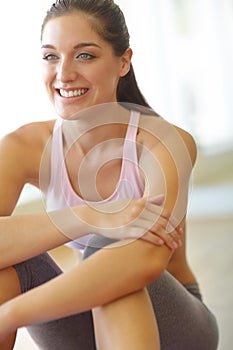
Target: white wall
(183,53)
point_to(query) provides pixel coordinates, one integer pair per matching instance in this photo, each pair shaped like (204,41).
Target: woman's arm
(25,236)
(20,157)
(133,266)
(22,237)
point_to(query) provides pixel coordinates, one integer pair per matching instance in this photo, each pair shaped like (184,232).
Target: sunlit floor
(210,245)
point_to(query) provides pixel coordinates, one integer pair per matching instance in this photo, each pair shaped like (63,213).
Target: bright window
(183,61)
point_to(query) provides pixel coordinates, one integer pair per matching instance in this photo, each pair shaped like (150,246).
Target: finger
(151,238)
(149,220)
(157,231)
(168,239)
(178,232)
(176,238)
(169,223)
(172,224)
(157,234)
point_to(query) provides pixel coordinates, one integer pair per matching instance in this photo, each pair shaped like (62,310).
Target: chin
(67,113)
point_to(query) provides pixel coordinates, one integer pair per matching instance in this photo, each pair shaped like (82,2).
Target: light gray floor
(210,245)
(210,250)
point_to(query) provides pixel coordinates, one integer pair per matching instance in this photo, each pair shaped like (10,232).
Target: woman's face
(79,67)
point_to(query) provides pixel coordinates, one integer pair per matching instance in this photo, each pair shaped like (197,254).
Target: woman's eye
(50,57)
(85,56)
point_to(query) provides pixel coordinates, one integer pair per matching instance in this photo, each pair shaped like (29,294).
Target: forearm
(91,283)
(25,236)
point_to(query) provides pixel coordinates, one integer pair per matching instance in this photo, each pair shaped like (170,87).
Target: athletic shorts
(184,321)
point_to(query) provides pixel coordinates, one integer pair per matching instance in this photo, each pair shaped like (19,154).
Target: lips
(72,93)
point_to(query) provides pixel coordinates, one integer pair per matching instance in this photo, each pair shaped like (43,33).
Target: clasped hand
(143,218)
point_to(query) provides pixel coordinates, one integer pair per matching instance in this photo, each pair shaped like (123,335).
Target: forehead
(75,26)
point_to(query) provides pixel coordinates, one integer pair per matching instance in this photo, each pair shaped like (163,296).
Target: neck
(95,125)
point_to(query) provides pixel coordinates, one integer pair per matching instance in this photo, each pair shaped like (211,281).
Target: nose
(66,71)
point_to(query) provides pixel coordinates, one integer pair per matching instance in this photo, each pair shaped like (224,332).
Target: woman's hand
(142,218)
(165,230)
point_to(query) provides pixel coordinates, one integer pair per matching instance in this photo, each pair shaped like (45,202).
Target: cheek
(108,74)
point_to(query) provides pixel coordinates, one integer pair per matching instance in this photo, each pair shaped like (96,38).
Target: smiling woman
(92,63)
(115,179)
(178,32)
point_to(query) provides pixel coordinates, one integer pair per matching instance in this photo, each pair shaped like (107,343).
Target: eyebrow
(78,46)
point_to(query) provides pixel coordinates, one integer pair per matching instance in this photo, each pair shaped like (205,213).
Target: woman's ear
(125,62)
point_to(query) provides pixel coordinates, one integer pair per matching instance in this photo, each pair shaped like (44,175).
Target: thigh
(36,271)
(70,333)
(184,322)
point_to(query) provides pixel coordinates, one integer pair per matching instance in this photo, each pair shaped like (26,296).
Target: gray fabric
(184,321)
(70,333)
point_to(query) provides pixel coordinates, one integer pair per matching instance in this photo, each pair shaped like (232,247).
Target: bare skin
(175,260)
(20,162)
(127,312)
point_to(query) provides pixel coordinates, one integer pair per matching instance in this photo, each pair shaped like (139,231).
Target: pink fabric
(60,192)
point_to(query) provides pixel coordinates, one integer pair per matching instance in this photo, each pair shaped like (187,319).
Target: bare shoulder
(156,132)
(189,142)
(32,132)
(21,150)
(28,135)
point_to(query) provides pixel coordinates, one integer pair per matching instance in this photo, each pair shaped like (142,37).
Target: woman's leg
(70,333)
(9,288)
(184,322)
(127,323)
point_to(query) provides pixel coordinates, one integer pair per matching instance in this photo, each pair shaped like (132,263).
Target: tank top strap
(131,182)
(130,145)
(133,125)
(56,152)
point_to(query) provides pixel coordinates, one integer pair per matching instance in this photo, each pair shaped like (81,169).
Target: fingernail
(181,230)
(160,241)
(174,245)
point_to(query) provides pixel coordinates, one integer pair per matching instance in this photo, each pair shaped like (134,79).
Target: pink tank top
(60,192)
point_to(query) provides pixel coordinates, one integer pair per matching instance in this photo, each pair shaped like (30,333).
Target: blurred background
(183,60)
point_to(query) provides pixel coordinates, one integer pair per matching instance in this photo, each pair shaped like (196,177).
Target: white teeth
(73,93)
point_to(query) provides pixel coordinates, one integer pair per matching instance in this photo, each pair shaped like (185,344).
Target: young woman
(115,178)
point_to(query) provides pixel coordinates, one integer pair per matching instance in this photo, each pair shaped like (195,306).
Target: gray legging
(184,321)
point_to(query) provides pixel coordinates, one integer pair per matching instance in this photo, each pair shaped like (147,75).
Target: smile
(73,93)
